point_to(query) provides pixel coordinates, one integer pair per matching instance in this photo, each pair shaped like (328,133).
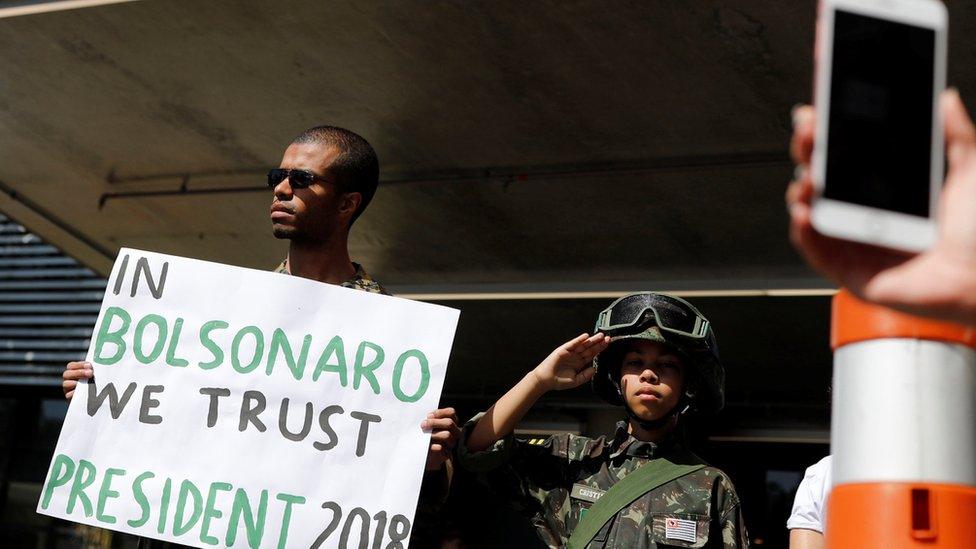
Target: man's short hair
(356,167)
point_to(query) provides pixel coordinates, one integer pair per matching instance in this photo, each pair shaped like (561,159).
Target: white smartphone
(878,156)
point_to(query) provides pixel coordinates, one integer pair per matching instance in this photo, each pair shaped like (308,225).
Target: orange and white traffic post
(903,430)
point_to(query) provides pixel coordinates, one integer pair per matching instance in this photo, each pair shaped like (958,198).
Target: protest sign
(234,407)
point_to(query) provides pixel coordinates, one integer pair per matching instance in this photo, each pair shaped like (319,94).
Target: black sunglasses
(299,179)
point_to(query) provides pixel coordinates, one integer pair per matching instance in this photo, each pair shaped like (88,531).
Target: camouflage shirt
(359,281)
(556,479)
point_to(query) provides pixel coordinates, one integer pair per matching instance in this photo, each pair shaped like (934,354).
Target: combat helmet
(674,322)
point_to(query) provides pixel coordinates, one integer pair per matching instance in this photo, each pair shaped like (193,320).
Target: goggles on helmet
(671,314)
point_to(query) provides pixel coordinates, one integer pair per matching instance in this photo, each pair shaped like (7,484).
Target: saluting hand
(569,365)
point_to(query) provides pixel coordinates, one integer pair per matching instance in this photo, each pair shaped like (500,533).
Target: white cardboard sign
(235,407)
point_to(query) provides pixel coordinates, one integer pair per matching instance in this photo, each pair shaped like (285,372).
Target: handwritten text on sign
(241,407)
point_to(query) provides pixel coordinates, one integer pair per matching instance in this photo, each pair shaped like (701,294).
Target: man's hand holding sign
(239,407)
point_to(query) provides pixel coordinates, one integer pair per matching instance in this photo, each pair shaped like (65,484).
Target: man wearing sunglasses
(326,179)
(655,356)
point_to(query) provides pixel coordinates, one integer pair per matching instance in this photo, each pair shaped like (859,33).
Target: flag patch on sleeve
(685,530)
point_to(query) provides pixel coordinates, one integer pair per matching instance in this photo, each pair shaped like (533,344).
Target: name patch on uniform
(685,530)
(586,493)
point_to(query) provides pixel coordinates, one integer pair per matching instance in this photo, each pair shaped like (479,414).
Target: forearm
(806,539)
(504,415)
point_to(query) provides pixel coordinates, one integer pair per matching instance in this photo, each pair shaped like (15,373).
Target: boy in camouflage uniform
(656,356)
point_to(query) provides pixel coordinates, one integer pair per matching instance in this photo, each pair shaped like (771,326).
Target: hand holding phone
(939,282)
(878,154)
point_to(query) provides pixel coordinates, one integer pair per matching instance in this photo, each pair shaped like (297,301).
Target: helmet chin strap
(680,409)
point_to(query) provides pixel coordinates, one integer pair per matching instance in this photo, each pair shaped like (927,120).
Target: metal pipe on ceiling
(510,174)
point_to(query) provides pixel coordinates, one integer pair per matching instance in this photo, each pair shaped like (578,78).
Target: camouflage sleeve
(734,535)
(543,461)
(488,460)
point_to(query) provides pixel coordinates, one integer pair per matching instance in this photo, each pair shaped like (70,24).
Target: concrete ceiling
(528,145)
(524,144)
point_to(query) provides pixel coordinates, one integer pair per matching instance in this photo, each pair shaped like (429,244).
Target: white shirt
(810,505)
